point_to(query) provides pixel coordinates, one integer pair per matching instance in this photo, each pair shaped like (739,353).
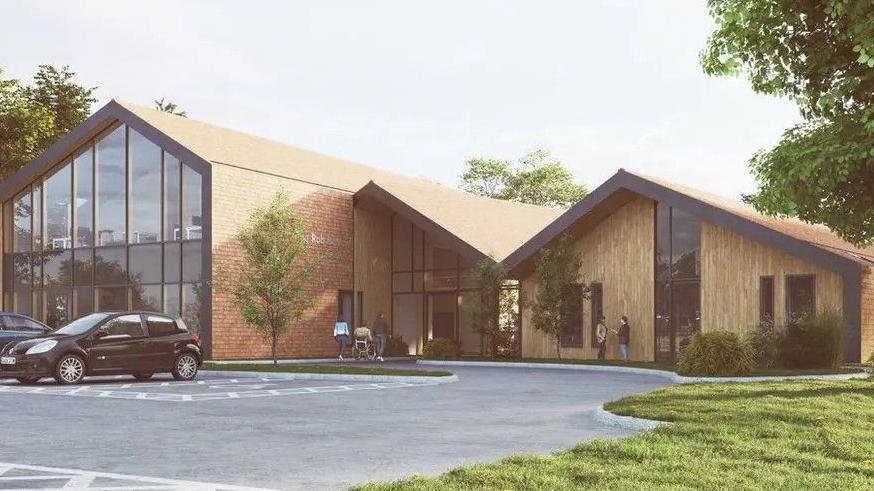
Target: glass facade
(116,227)
(678,280)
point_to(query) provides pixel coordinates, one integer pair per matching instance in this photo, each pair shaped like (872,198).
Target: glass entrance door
(442,309)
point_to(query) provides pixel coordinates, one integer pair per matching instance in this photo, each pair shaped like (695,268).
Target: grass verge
(332,369)
(806,435)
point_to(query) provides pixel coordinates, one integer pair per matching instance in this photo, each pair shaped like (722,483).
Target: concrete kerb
(306,361)
(605,417)
(672,376)
(335,377)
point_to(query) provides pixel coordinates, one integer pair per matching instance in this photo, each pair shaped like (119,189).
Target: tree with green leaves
(492,307)
(169,107)
(33,117)
(558,272)
(271,286)
(820,53)
(537,178)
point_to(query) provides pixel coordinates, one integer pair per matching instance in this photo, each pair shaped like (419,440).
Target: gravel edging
(336,377)
(672,376)
(605,417)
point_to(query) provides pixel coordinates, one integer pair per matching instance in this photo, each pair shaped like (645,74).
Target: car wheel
(27,380)
(185,367)
(143,375)
(70,370)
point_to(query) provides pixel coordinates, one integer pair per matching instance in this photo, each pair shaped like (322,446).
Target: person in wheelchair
(363,347)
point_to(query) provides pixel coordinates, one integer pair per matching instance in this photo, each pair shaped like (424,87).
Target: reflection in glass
(172,193)
(145,189)
(57,268)
(58,210)
(83,168)
(685,244)
(110,266)
(83,266)
(111,188)
(146,297)
(171,300)
(114,298)
(84,301)
(172,262)
(58,306)
(192,212)
(663,241)
(191,261)
(21,222)
(145,264)
(191,306)
(37,218)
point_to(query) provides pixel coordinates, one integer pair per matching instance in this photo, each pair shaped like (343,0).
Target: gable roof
(481,226)
(814,243)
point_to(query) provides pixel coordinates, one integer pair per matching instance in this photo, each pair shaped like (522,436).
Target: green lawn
(811,435)
(333,369)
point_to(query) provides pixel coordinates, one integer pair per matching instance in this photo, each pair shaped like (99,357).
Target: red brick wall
(236,192)
(867,313)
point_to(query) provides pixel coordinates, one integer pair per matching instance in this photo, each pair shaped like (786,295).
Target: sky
(420,87)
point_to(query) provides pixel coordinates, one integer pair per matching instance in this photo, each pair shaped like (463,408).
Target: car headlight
(42,347)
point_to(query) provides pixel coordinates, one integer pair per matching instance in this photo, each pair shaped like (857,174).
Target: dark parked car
(17,327)
(106,343)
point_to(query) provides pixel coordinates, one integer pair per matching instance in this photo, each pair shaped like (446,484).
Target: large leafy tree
(559,269)
(35,116)
(537,178)
(271,286)
(820,53)
(492,307)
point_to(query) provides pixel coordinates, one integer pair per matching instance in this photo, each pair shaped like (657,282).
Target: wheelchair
(363,349)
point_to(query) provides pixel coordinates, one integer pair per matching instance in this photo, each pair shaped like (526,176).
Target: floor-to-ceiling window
(678,280)
(115,227)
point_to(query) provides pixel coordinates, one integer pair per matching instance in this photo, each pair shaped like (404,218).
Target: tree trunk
(558,346)
(273,347)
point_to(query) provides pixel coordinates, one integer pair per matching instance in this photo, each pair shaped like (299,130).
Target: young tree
(271,287)
(820,54)
(33,117)
(169,107)
(492,306)
(559,269)
(537,179)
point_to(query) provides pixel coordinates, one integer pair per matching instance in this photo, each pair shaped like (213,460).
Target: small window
(572,315)
(800,297)
(766,300)
(125,325)
(597,296)
(161,326)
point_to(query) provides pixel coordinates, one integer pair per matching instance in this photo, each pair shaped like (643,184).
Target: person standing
(601,337)
(380,329)
(341,334)
(624,336)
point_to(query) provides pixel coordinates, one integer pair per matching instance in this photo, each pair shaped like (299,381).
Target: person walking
(624,336)
(601,337)
(341,334)
(380,329)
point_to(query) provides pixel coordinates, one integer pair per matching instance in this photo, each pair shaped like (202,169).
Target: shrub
(396,346)
(765,341)
(715,353)
(816,342)
(441,349)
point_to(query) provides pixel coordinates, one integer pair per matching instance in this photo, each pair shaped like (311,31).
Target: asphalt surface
(304,437)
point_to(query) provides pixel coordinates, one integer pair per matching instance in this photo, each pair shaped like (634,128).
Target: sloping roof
(815,243)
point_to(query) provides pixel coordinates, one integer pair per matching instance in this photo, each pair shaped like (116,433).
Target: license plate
(7,360)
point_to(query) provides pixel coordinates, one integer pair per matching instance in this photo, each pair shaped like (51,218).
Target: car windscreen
(82,324)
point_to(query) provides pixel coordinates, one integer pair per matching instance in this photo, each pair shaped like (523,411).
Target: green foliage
(559,267)
(765,342)
(441,349)
(169,107)
(716,353)
(396,346)
(820,54)
(492,307)
(537,179)
(33,117)
(271,286)
(816,342)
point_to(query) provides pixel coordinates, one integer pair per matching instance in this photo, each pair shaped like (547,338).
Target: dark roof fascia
(90,128)
(380,194)
(701,209)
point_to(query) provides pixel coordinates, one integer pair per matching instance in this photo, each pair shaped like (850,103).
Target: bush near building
(396,346)
(441,349)
(716,353)
(814,342)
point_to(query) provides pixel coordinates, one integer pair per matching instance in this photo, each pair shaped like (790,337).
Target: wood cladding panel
(373,261)
(618,253)
(867,327)
(731,266)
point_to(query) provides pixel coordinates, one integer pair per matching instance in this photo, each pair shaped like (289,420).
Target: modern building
(675,260)
(138,208)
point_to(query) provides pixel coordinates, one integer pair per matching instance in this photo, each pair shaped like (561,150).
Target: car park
(106,343)
(17,327)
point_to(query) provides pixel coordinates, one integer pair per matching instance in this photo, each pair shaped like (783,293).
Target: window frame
(763,279)
(789,278)
(598,287)
(577,340)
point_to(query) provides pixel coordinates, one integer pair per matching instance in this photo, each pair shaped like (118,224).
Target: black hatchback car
(17,327)
(106,343)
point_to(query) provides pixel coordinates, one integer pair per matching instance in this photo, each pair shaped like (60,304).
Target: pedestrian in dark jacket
(380,328)
(624,336)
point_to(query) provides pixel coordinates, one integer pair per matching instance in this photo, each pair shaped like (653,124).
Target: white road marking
(81,479)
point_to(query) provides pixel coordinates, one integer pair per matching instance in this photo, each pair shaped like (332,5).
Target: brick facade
(235,193)
(867,305)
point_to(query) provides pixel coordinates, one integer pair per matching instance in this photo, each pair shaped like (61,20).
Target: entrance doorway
(441,313)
